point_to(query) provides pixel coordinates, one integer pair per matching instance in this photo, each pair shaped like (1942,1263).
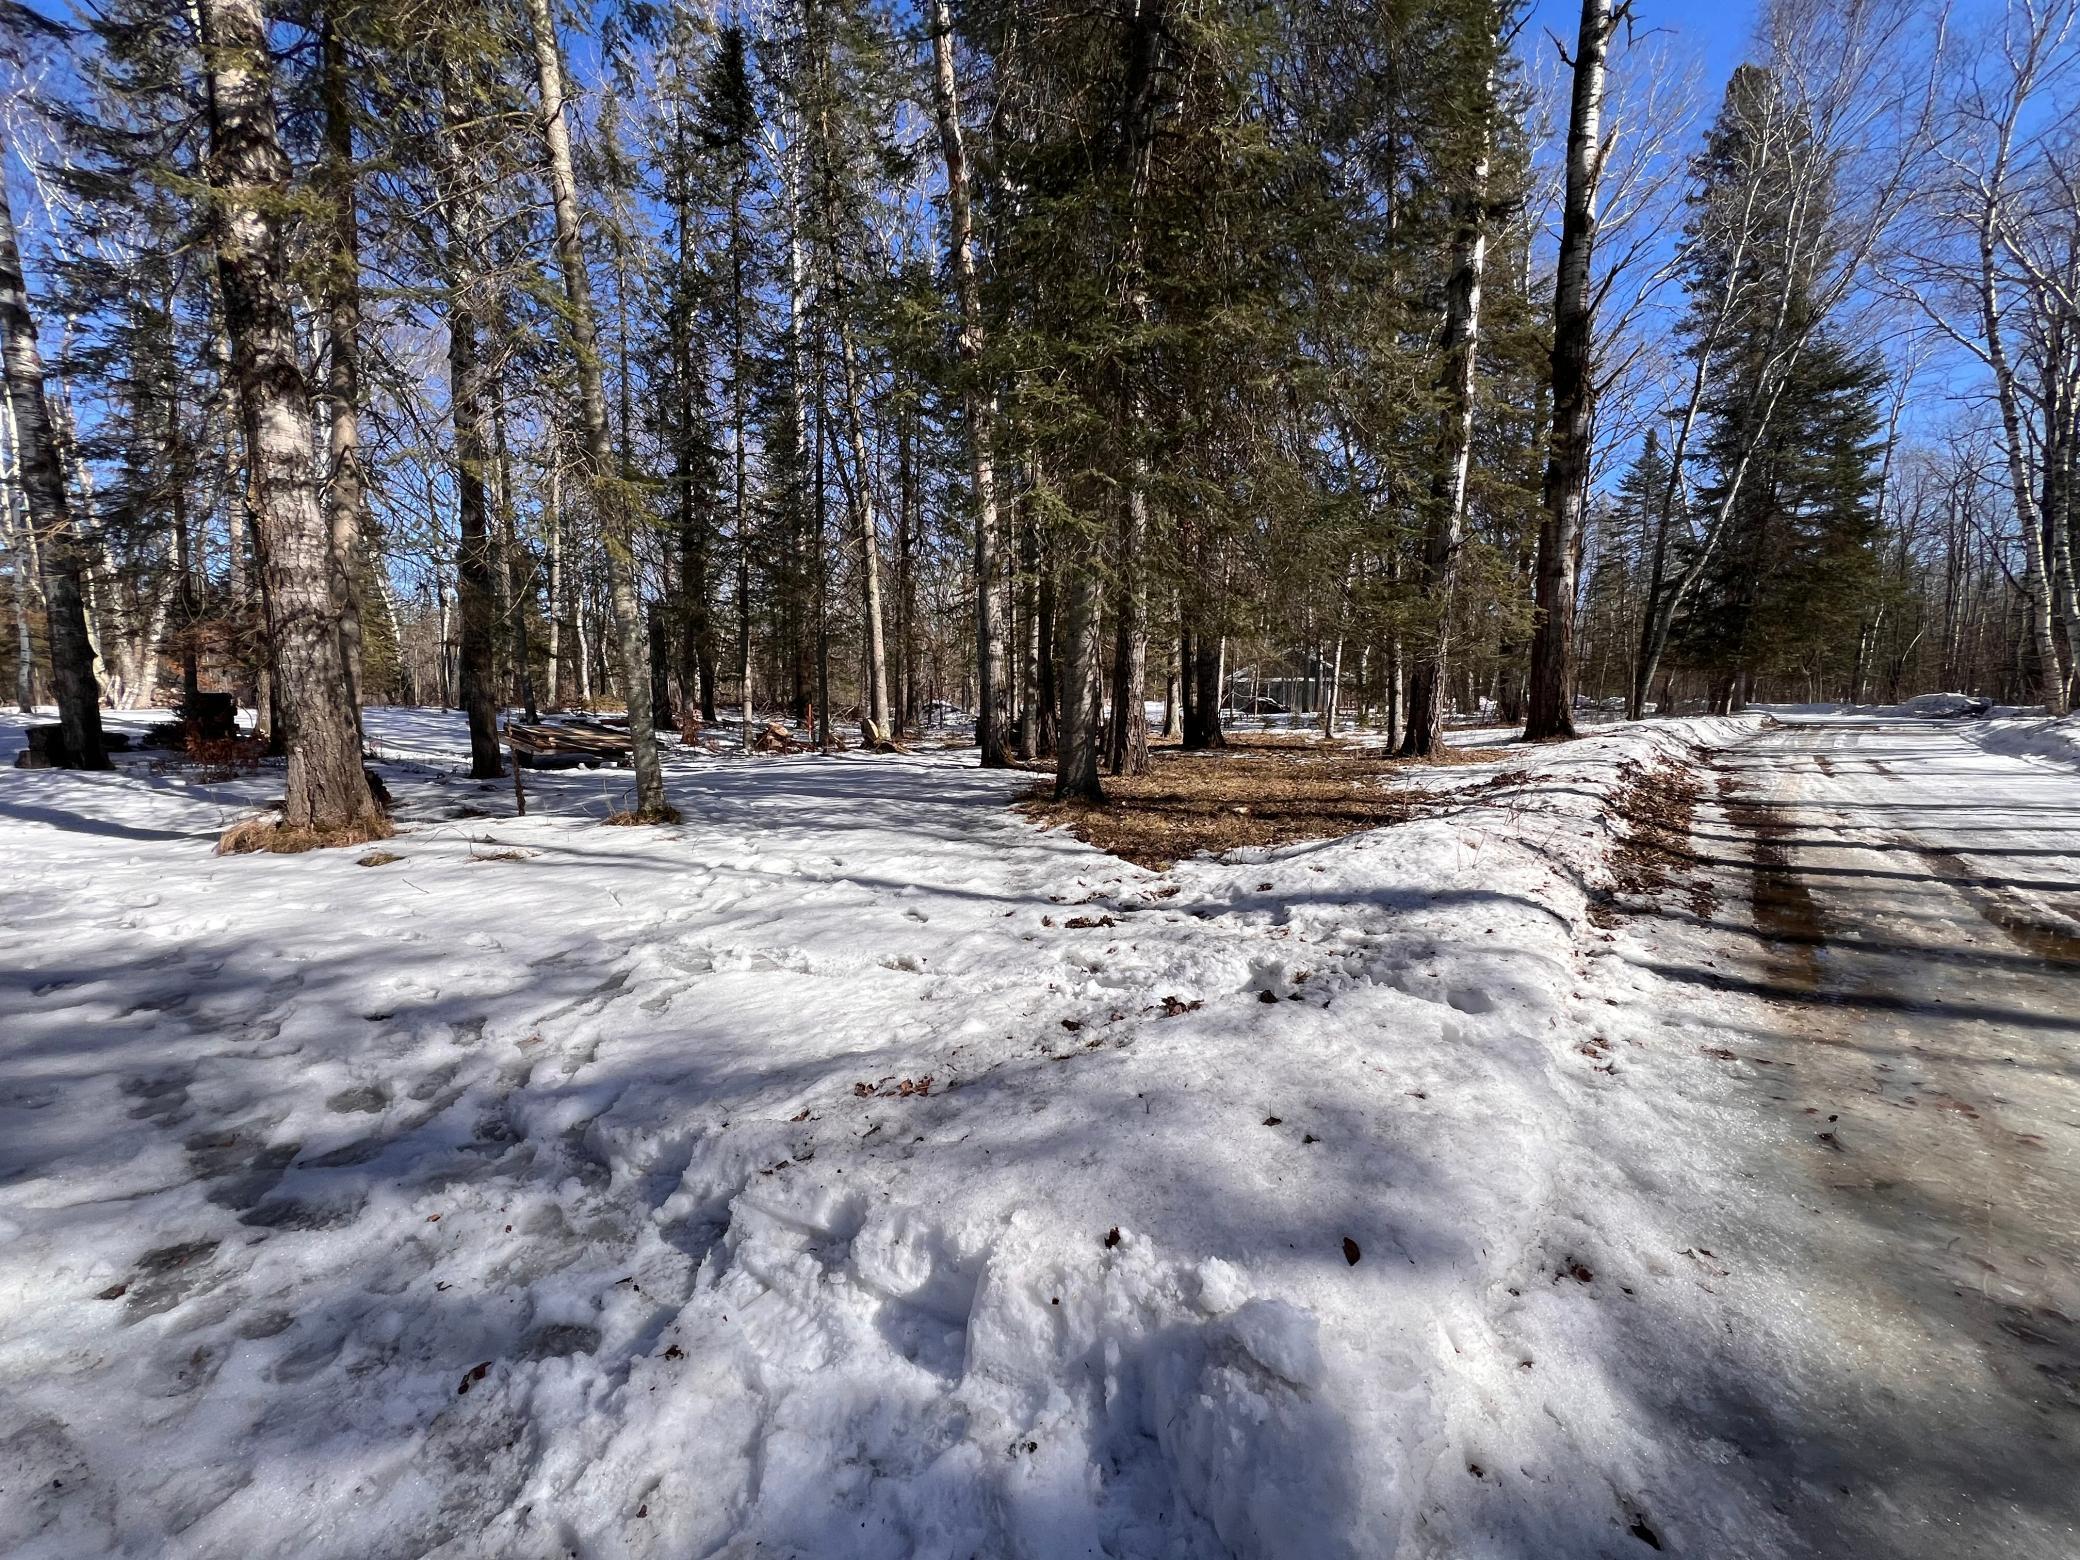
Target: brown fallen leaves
(1257,791)
(895,1088)
(1654,805)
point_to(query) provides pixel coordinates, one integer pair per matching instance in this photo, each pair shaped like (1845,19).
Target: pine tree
(1787,579)
(328,791)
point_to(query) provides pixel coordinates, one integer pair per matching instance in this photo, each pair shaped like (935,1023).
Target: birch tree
(978,403)
(610,499)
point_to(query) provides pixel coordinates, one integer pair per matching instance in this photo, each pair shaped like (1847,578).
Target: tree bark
(1567,452)
(740,497)
(609,497)
(476,671)
(978,405)
(327,787)
(874,717)
(552,538)
(23,565)
(1082,708)
(1445,533)
(342,289)
(43,488)
(519,568)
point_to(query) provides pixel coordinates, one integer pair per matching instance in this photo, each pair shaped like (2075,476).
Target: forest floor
(1668,1141)
(1261,789)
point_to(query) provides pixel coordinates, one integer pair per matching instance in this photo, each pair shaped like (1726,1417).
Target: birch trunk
(874,719)
(609,499)
(978,404)
(22,561)
(2036,567)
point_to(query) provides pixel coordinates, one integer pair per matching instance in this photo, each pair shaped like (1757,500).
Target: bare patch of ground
(1257,791)
(1654,806)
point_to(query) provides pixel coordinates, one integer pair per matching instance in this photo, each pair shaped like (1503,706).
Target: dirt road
(1895,968)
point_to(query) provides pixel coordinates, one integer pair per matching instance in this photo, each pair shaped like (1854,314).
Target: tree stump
(210,717)
(46,749)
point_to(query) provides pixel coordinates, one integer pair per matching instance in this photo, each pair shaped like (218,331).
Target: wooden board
(563,746)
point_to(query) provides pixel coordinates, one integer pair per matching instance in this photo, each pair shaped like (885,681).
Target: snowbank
(1945,706)
(2029,737)
(854,1170)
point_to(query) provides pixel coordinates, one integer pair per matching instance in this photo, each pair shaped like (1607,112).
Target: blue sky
(1719,30)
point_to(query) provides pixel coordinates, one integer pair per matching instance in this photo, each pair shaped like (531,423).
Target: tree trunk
(473,564)
(476,671)
(1035,685)
(552,528)
(1203,717)
(1129,735)
(826,738)
(519,568)
(1567,453)
(1444,535)
(874,717)
(342,290)
(610,500)
(1082,708)
(23,562)
(327,787)
(43,487)
(978,405)
(740,500)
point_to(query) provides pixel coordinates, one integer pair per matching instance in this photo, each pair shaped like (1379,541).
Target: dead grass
(268,834)
(1258,791)
(641,818)
(378,858)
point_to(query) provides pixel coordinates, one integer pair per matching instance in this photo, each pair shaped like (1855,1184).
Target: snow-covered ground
(2038,736)
(854,1169)
(2001,729)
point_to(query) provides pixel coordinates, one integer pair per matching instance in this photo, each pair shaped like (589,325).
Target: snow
(1944,705)
(2037,736)
(855,1169)
(2005,730)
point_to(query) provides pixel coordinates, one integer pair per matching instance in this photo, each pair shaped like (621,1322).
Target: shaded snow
(554,1189)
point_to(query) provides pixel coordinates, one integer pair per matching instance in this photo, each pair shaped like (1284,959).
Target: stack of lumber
(567,744)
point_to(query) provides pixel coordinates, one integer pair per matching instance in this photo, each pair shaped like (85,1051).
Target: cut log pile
(569,744)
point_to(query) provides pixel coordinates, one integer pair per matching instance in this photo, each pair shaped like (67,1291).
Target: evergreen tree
(1785,585)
